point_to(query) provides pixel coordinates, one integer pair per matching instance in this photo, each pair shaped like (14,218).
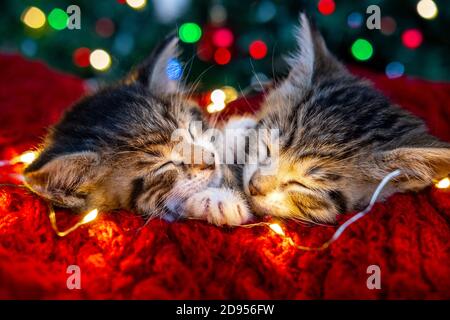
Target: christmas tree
(235,43)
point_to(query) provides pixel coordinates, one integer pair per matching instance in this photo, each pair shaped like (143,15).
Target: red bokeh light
(412,38)
(326,7)
(104,27)
(258,49)
(223,37)
(81,57)
(222,56)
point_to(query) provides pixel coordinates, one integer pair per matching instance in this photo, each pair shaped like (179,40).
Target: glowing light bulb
(277,229)
(100,59)
(215,107)
(230,93)
(427,9)
(33,17)
(26,158)
(218,96)
(443,184)
(137,4)
(90,216)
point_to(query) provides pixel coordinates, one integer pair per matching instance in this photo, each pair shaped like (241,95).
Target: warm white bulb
(90,216)
(26,158)
(218,96)
(427,9)
(100,59)
(137,4)
(215,107)
(443,184)
(276,228)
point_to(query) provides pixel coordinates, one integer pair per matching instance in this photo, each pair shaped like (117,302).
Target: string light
(355,20)
(412,38)
(257,49)
(326,7)
(89,217)
(222,56)
(395,70)
(277,229)
(218,101)
(100,59)
(388,26)
(427,9)
(362,49)
(104,27)
(33,17)
(81,57)
(137,4)
(443,184)
(223,37)
(58,19)
(26,158)
(190,32)
(231,93)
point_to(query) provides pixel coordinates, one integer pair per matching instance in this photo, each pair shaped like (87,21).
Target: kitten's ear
(311,58)
(152,72)
(420,166)
(64,180)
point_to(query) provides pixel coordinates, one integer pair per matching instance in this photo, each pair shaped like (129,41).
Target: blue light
(174,70)
(395,70)
(29,47)
(354,20)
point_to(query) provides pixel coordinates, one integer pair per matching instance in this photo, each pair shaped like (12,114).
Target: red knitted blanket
(120,257)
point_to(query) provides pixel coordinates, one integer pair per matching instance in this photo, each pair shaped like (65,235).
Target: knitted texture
(122,257)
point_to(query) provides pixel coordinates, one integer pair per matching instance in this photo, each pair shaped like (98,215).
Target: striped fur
(114,150)
(338,138)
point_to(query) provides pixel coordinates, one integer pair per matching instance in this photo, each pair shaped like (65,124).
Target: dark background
(129,34)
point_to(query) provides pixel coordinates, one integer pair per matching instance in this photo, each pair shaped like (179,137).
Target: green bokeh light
(362,50)
(58,19)
(190,32)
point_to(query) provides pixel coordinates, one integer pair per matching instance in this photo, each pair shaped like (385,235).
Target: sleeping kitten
(115,150)
(338,138)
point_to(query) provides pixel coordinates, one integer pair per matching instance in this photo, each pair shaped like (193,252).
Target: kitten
(114,150)
(338,137)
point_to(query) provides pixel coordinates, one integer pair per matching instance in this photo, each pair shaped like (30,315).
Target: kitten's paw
(218,206)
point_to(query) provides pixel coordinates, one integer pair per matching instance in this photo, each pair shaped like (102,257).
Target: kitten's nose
(254,187)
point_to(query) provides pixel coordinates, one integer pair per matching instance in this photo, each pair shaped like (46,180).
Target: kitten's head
(338,137)
(116,149)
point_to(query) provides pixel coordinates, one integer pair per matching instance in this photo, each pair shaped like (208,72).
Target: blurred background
(236,43)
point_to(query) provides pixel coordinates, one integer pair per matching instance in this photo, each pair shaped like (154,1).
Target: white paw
(218,206)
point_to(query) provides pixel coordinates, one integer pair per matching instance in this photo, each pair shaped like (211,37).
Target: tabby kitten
(338,137)
(114,150)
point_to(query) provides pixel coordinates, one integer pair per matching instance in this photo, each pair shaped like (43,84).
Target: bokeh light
(412,38)
(58,19)
(354,20)
(394,70)
(222,56)
(326,7)
(81,57)
(104,27)
(257,49)
(427,9)
(190,32)
(443,184)
(100,60)
(174,69)
(33,17)
(362,50)
(230,93)
(137,4)
(223,37)
(388,25)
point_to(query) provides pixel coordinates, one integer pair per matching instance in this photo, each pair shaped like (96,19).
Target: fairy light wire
(342,227)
